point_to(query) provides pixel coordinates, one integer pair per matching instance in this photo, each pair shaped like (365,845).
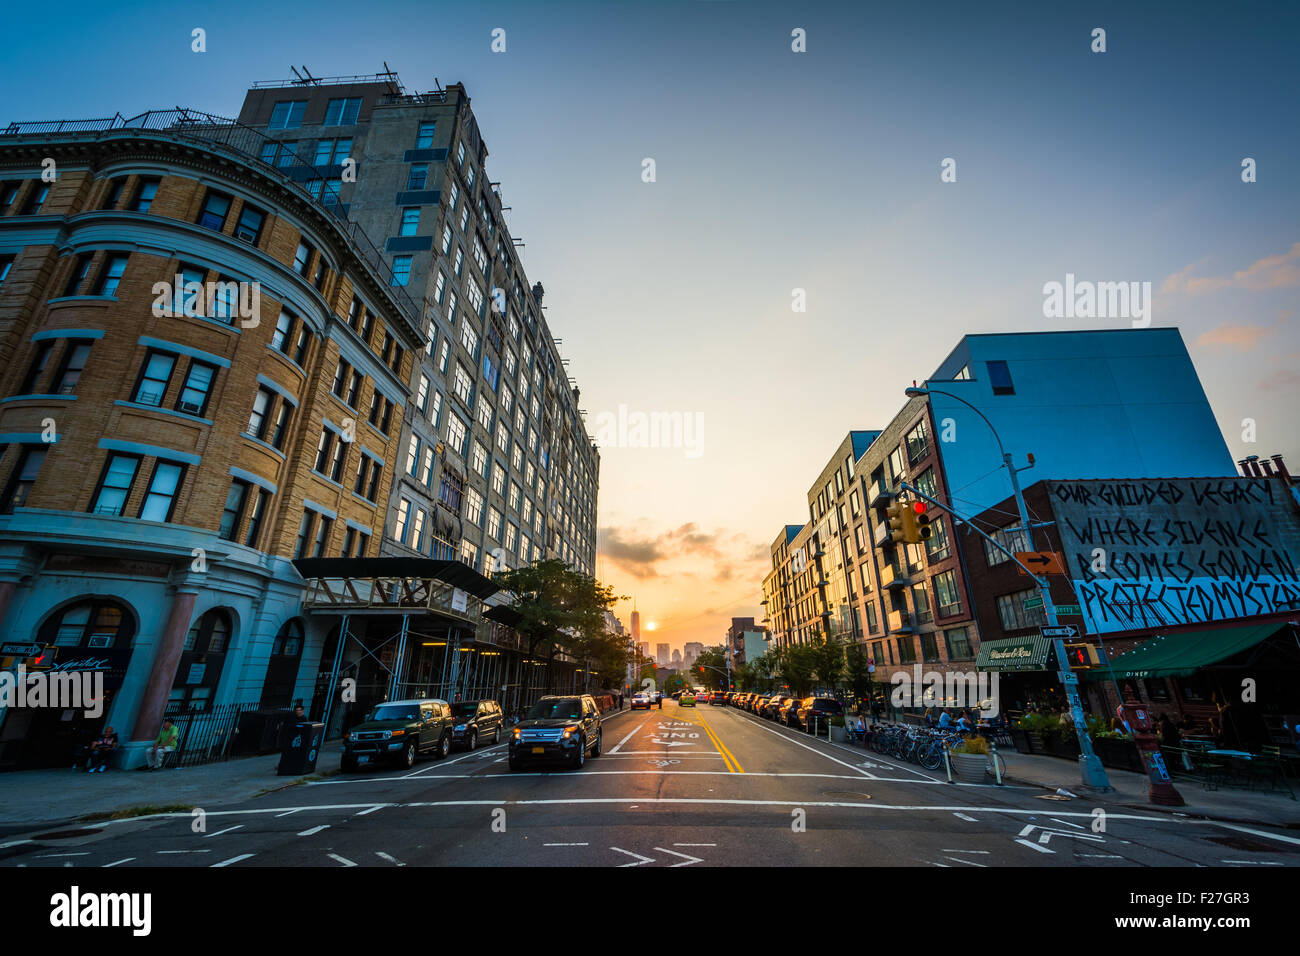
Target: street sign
(1032,603)
(1041,562)
(1063,630)
(1070,610)
(20,650)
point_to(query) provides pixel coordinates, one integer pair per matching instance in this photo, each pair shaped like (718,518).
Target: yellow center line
(727,756)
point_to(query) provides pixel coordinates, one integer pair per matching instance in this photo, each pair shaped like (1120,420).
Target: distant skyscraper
(643,648)
(636,626)
(661,654)
(677,659)
(691,653)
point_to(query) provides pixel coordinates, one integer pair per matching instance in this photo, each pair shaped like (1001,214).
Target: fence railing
(208,128)
(207,736)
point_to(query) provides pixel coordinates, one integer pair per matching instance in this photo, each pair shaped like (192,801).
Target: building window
(37,368)
(332,152)
(929,648)
(249,226)
(906,650)
(1012,539)
(417,530)
(154,379)
(958,640)
(35,200)
(918,442)
(8,195)
(197,388)
(369,472)
(424,136)
(342,112)
(75,355)
(160,497)
(304,533)
(302,257)
(23,478)
(1000,378)
(258,419)
(401,270)
(456,431)
(417,177)
(216,206)
(494,524)
(145,193)
(280,432)
(114,485)
(473,507)
(403,517)
(463,385)
(945,593)
(288,114)
(110,276)
(410,221)
(449,493)
(323,529)
(233,512)
(921,602)
(1015,616)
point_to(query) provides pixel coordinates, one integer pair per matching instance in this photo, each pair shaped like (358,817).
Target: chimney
(1252,462)
(1281,468)
(1265,468)
(1244,465)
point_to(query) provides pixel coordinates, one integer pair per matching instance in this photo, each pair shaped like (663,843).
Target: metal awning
(1179,655)
(1031,653)
(455,573)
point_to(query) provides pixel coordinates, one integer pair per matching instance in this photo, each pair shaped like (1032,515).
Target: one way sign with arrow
(1041,562)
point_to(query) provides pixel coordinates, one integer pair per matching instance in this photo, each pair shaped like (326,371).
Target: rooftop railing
(208,129)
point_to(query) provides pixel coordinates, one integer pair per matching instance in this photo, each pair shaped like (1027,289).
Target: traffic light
(1082,656)
(898,522)
(920,522)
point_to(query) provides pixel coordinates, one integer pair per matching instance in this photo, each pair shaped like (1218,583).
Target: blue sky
(817,170)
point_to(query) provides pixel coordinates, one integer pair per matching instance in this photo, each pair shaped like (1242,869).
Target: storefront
(1026,674)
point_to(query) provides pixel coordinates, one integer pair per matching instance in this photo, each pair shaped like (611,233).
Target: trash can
(301,748)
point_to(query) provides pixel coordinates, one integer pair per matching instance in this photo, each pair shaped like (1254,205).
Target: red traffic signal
(921,521)
(919,507)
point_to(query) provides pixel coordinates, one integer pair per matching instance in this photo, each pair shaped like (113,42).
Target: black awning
(454,573)
(503,614)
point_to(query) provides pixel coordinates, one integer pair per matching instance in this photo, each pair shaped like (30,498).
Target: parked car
(475,721)
(789,712)
(822,707)
(640,701)
(557,729)
(717,699)
(398,731)
(773,706)
(687,699)
(759,703)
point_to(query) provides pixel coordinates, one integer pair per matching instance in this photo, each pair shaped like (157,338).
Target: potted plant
(970,759)
(1037,727)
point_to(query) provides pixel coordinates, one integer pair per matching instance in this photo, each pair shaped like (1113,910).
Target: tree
(798,666)
(713,660)
(560,610)
(828,660)
(857,673)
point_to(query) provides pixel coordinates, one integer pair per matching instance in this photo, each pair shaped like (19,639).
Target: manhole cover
(66,834)
(845,793)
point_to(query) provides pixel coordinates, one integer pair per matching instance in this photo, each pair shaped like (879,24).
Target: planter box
(1068,749)
(1037,741)
(839,734)
(970,768)
(1020,740)
(1118,754)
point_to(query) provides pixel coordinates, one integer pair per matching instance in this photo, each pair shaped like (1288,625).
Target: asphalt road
(706,786)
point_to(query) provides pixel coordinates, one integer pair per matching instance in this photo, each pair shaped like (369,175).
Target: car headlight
(570,731)
(352,738)
(517,732)
(396,733)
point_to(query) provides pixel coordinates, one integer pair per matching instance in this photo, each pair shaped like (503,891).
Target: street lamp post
(1094,774)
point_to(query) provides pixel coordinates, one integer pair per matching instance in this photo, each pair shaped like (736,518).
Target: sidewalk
(1231,806)
(37,797)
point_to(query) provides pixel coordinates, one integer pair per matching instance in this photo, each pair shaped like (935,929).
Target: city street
(680,787)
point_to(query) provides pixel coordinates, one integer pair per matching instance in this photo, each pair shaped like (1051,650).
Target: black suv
(399,731)
(557,728)
(819,710)
(476,720)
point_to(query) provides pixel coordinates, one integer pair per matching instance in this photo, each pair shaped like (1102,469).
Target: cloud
(637,558)
(1271,272)
(640,555)
(1244,337)
(1283,378)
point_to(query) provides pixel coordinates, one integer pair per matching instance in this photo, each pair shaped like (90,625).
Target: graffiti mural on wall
(1162,552)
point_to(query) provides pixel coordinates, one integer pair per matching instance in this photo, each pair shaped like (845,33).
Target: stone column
(171,642)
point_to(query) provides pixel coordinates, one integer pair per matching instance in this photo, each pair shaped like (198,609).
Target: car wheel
(472,741)
(408,754)
(496,736)
(580,758)
(444,747)
(595,751)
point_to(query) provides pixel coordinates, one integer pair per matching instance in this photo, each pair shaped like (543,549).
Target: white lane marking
(1105,856)
(233,859)
(761,723)
(119,862)
(957,859)
(377,806)
(566,844)
(859,770)
(1253,862)
(966,818)
(981,852)
(47,856)
(1068,824)
(425,771)
(642,860)
(183,851)
(660,753)
(391,859)
(4,846)
(287,812)
(344,860)
(1263,833)
(944,865)
(689,859)
(694,844)
(323,826)
(219,832)
(1034,846)
(614,749)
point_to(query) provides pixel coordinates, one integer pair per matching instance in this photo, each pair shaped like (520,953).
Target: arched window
(282,668)
(202,659)
(92,624)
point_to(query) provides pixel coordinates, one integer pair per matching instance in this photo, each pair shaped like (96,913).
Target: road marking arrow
(670,743)
(642,859)
(689,859)
(1046,834)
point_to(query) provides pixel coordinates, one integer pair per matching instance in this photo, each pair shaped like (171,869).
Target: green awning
(1014,654)
(1178,655)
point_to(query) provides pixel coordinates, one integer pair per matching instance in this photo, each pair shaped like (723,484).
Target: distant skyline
(778,171)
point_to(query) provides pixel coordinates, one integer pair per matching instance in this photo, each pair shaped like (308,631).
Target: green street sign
(1071,609)
(1033,602)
